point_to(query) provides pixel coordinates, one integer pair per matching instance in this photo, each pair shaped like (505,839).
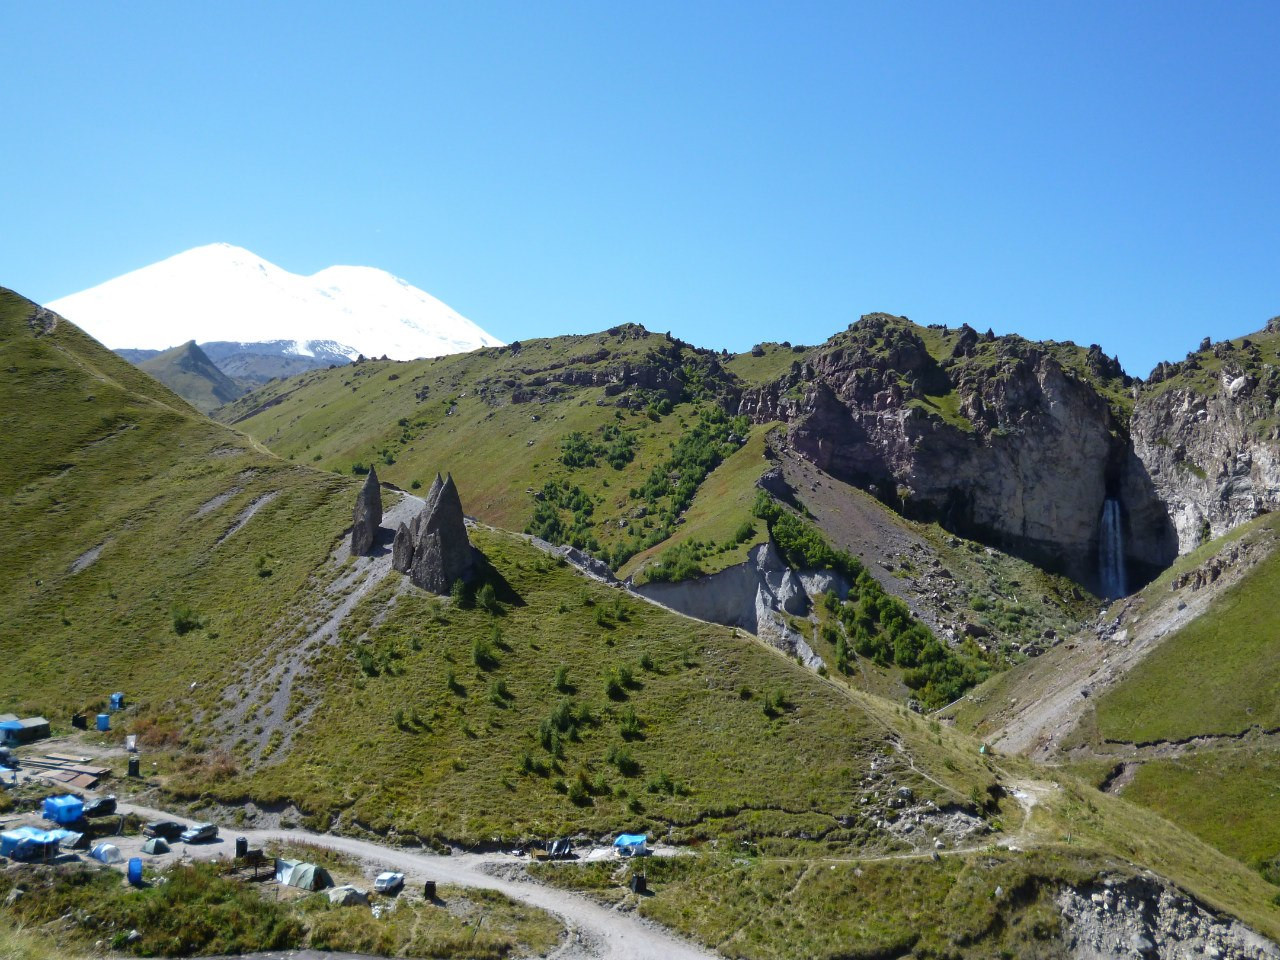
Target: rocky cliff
(1014,443)
(1207,430)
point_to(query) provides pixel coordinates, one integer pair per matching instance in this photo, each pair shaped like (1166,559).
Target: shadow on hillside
(486,572)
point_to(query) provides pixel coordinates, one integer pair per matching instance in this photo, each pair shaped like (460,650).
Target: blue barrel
(135,871)
(104,721)
(117,701)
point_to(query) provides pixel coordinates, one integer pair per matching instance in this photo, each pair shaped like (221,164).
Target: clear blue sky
(731,172)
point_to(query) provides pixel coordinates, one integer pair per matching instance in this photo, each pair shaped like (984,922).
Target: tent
(107,853)
(155,846)
(631,844)
(304,876)
(28,843)
(68,837)
(64,809)
(348,896)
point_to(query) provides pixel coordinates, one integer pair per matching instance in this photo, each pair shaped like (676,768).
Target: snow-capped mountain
(224,294)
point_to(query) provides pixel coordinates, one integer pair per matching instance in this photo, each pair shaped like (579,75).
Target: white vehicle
(389,883)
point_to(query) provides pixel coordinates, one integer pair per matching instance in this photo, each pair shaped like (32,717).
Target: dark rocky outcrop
(367,516)
(434,549)
(999,439)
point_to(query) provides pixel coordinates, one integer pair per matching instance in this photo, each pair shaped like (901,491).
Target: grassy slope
(99,454)
(1220,674)
(198,910)
(499,452)
(402,748)
(720,507)
(757,371)
(1217,675)
(1243,817)
(193,376)
(770,907)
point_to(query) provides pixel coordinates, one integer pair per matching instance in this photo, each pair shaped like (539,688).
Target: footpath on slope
(1060,686)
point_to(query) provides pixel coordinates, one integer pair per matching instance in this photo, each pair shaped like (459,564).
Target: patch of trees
(872,622)
(615,447)
(549,522)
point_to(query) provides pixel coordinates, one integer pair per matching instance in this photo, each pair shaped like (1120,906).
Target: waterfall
(1111,551)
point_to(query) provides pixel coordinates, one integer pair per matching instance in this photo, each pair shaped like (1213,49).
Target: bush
(487,599)
(621,758)
(185,619)
(482,654)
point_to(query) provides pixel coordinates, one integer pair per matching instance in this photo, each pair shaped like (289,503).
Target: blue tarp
(64,809)
(29,843)
(631,842)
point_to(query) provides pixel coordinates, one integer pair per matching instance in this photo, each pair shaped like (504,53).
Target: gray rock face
(367,516)
(1214,458)
(434,549)
(1144,917)
(753,595)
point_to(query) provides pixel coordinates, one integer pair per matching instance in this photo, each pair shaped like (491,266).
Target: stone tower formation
(367,516)
(434,549)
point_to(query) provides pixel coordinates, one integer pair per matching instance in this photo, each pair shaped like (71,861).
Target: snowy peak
(224,293)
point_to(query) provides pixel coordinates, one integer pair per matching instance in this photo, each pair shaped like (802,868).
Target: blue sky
(732,172)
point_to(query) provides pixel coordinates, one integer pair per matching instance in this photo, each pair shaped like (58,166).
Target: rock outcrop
(753,595)
(1012,443)
(434,549)
(1212,450)
(1145,917)
(367,516)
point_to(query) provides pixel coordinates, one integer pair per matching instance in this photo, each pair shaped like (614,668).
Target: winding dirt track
(595,931)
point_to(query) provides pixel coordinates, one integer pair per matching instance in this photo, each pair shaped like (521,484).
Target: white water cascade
(1111,551)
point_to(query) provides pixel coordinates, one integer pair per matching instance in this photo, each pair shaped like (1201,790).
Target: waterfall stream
(1111,551)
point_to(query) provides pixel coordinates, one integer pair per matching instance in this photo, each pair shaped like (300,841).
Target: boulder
(367,516)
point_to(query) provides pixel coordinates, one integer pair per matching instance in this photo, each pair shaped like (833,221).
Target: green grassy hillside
(1220,674)
(189,373)
(570,706)
(576,438)
(117,495)
(156,552)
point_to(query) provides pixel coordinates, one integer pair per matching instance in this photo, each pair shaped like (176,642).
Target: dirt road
(595,931)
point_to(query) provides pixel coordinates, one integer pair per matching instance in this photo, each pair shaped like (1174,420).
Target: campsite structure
(31,844)
(15,732)
(631,844)
(303,875)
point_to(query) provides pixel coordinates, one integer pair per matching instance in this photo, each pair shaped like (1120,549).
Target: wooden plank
(83,781)
(68,758)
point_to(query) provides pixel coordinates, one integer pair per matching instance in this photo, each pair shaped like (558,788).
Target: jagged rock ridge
(434,549)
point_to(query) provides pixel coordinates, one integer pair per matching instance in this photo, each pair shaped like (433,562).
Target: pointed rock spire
(434,549)
(367,516)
